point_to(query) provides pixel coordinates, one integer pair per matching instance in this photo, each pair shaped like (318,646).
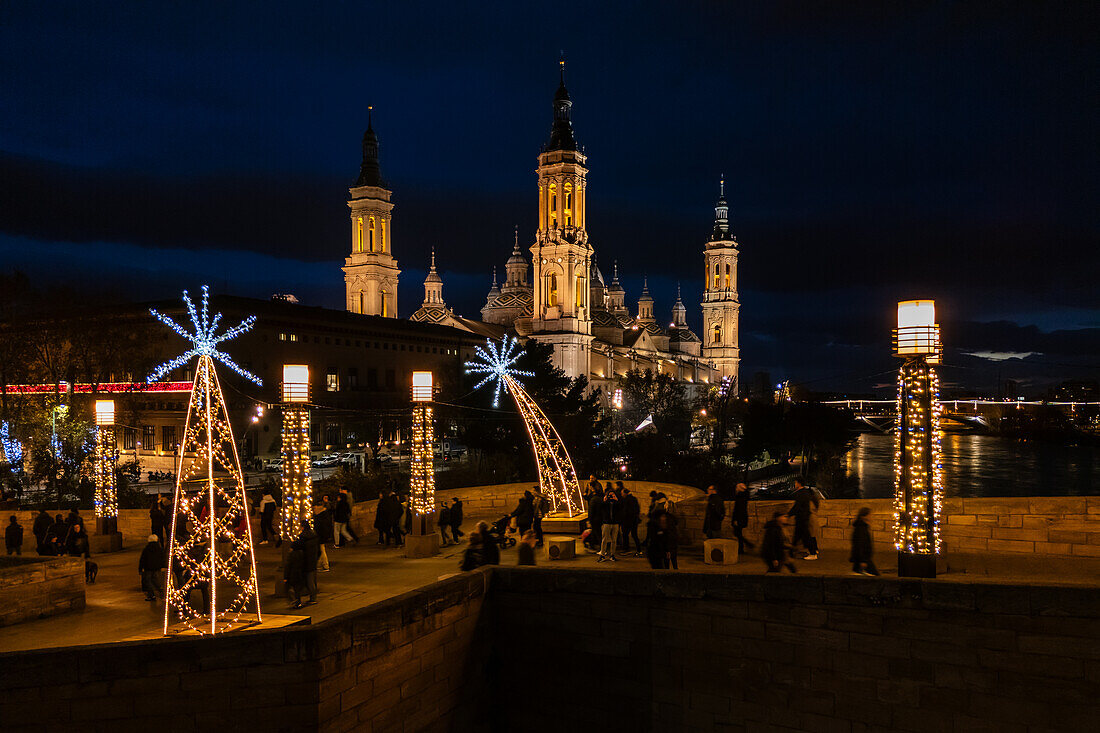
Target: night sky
(872,151)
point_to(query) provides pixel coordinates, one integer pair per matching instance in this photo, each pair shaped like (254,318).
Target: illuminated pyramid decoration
(557,477)
(210,498)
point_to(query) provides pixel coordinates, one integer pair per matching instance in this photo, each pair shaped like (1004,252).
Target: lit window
(568,195)
(384,306)
(715,275)
(552,207)
(580,291)
(382,237)
(717,333)
(552,290)
(282,337)
(370,235)
(293,337)
(359,236)
(727,277)
(332,381)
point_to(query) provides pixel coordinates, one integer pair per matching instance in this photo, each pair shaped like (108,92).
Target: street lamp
(106,493)
(297,483)
(423,540)
(918,465)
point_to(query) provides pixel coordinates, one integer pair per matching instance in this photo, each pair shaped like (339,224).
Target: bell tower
(561,254)
(370,271)
(720,303)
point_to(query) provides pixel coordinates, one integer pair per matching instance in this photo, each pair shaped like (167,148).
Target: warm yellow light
(295,383)
(104,412)
(422,386)
(917,330)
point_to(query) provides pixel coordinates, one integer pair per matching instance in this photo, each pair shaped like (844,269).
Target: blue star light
(496,364)
(204,340)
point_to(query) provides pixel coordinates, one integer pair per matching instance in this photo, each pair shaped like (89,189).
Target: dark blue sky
(873,152)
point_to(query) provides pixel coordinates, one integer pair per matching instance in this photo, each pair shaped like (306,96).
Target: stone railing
(36,587)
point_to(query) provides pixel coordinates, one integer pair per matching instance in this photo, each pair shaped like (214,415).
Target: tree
(647,393)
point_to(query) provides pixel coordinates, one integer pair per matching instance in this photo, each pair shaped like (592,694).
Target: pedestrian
(456,518)
(473,557)
(542,508)
(610,526)
(805,504)
(526,549)
(150,564)
(72,521)
(774,545)
(267,516)
(156,520)
(740,517)
(58,532)
(310,545)
(630,515)
(78,546)
(322,525)
(714,513)
(649,524)
(862,546)
(524,513)
(350,499)
(13,537)
(595,516)
(381,524)
(341,515)
(40,527)
(294,575)
(406,509)
(395,513)
(490,549)
(443,519)
(594,487)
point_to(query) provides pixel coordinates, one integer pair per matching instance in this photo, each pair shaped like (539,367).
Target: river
(985,465)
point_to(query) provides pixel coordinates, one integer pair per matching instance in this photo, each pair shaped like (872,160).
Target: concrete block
(426,545)
(720,552)
(99,544)
(561,548)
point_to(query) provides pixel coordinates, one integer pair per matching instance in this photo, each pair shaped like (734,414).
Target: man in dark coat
(41,526)
(524,512)
(805,504)
(294,575)
(862,546)
(774,546)
(341,515)
(310,545)
(714,513)
(609,526)
(456,518)
(13,537)
(150,564)
(630,515)
(443,519)
(595,518)
(156,520)
(490,549)
(740,517)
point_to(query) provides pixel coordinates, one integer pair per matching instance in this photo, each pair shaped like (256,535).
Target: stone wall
(643,651)
(1061,525)
(36,587)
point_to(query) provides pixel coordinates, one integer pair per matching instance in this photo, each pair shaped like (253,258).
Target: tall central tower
(370,271)
(561,254)
(720,303)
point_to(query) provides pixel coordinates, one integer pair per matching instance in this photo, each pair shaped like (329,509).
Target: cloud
(1002,355)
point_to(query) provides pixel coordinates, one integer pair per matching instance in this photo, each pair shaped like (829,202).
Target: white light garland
(918,462)
(106,492)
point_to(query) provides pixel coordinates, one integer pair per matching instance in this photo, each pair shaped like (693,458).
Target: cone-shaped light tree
(205,554)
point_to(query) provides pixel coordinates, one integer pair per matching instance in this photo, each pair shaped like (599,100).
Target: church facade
(567,302)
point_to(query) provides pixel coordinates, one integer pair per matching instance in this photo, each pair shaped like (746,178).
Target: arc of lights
(207,447)
(557,477)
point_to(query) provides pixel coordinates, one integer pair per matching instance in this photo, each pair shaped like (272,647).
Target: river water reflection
(985,465)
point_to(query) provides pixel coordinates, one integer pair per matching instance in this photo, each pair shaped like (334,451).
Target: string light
(12,448)
(557,477)
(297,482)
(203,546)
(421,471)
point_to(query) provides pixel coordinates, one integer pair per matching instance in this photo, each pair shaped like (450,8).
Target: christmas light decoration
(557,477)
(106,455)
(205,554)
(10,448)
(918,463)
(297,482)
(421,470)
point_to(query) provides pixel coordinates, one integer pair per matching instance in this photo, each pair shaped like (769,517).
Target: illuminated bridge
(975,414)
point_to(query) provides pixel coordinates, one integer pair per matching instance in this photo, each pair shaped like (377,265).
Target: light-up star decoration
(204,339)
(496,364)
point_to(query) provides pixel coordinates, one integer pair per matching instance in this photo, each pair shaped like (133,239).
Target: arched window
(552,290)
(383,306)
(717,338)
(567,190)
(370,235)
(552,207)
(359,236)
(580,291)
(727,277)
(716,266)
(362,302)
(382,236)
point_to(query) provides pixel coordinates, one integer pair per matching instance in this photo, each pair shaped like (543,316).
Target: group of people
(614,515)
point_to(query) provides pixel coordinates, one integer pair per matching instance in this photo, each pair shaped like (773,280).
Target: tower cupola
(679,312)
(645,303)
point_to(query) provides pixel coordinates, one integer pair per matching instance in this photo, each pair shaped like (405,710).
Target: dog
(91,570)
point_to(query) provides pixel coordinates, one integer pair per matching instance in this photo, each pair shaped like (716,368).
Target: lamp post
(423,540)
(106,493)
(918,467)
(297,483)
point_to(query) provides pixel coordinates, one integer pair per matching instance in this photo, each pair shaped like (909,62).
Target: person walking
(341,515)
(156,520)
(805,504)
(150,564)
(630,515)
(456,518)
(526,549)
(542,508)
(267,516)
(739,518)
(862,546)
(595,517)
(524,513)
(490,550)
(294,575)
(610,525)
(322,525)
(13,537)
(774,545)
(443,519)
(310,545)
(714,514)
(473,557)
(40,527)
(381,524)
(395,513)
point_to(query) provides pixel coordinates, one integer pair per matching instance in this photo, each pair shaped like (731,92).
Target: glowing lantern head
(104,412)
(422,387)
(295,383)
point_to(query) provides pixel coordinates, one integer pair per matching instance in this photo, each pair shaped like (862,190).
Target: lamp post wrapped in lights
(106,492)
(918,466)
(423,540)
(297,483)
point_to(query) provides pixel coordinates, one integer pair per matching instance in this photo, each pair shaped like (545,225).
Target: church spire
(370,172)
(721,212)
(679,312)
(561,134)
(433,285)
(645,302)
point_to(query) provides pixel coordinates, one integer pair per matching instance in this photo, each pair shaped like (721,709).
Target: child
(862,564)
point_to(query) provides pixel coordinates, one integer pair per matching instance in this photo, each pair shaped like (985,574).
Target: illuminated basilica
(567,302)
